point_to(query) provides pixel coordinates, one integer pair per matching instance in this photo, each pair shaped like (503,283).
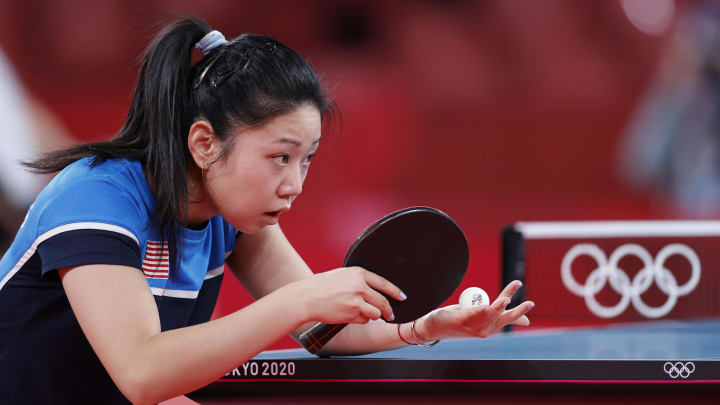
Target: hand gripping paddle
(419,249)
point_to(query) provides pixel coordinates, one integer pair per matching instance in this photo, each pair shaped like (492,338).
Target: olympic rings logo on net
(630,290)
(678,369)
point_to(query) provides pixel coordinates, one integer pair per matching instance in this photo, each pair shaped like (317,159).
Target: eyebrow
(294,142)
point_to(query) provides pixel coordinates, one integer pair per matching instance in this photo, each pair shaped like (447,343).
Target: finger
(515,313)
(495,310)
(369,311)
(500,304)
(522,321)
(359,319)
(379,301)
(382,284)
(510,289)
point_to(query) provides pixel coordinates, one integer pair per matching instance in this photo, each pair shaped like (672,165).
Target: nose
(291,185)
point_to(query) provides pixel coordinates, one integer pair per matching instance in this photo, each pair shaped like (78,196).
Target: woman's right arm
(117,312)
(119,317)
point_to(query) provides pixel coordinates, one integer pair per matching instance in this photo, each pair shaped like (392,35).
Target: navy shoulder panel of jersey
(86,215)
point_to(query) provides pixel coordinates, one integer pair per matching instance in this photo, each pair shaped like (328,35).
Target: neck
(200,208)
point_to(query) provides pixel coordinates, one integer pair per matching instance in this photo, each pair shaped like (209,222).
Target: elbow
(137,387)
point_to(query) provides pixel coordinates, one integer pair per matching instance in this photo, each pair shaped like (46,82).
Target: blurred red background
(492,111)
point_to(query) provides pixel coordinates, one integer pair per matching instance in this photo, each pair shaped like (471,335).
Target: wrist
(425,328)
(298,309)
(422,341)
(400,333)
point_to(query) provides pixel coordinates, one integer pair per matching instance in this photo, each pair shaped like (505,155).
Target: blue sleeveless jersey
(93,215)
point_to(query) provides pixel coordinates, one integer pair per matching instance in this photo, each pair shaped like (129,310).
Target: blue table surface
(655,340)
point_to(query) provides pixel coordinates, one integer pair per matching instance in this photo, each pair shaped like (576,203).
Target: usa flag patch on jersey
(157,260)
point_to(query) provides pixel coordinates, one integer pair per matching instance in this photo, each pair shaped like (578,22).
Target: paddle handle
(318,335)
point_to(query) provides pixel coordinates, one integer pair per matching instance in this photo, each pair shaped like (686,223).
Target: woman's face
(265,170)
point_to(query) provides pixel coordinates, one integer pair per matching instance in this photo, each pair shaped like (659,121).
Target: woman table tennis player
(106,292)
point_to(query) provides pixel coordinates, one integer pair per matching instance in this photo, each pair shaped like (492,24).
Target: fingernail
(392,317)
(531,306)
(403,296)
(517,285)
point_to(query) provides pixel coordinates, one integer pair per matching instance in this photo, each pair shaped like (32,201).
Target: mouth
(277,213)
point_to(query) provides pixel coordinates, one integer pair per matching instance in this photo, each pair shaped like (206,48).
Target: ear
(202,143)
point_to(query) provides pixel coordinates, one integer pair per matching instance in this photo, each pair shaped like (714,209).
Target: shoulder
(114,192)
(88,215)
(112,174)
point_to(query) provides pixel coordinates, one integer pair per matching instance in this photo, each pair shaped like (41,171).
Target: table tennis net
(597,272)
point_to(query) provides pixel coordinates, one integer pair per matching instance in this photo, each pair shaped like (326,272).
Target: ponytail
(161,115)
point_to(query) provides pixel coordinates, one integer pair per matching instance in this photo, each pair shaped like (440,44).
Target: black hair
(245,82)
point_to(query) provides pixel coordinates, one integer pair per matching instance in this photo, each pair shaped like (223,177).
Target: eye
(281,159)
(309,158)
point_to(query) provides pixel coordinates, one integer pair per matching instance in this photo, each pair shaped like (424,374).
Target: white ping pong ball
(474,296)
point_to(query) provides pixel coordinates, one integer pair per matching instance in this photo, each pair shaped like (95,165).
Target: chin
(245,225)
(252,224)
(252,227)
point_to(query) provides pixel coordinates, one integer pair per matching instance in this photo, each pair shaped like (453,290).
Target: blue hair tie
(210,41)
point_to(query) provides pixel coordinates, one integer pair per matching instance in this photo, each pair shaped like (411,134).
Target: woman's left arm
(266,261)
(447,322)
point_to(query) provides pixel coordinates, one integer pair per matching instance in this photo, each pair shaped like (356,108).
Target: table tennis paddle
(419,249)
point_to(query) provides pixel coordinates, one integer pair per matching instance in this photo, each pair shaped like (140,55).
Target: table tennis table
(651,354)
(657,338)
